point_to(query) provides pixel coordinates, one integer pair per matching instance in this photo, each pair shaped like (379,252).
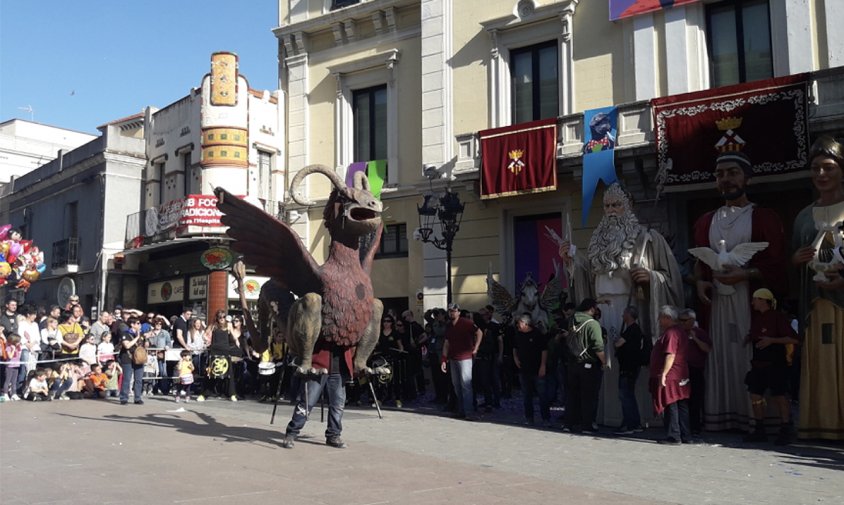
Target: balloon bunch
(21,262)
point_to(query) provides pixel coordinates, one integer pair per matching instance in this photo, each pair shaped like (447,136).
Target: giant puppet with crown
(740,248)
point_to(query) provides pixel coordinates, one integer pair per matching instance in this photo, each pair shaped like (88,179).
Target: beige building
(413,81)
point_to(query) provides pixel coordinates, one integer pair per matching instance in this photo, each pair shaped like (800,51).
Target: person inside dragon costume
(332,327)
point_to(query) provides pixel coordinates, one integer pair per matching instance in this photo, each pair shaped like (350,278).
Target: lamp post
(446,210)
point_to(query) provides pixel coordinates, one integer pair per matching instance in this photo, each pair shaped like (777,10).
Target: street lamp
(448,211)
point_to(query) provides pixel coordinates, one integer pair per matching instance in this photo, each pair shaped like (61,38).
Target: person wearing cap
(821,302)
(727,292)
(462,338)
(770,333)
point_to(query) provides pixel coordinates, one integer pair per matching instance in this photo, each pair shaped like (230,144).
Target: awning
(216,239)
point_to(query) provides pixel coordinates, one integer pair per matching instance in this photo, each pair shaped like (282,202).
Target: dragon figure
(529,300)
(335,305)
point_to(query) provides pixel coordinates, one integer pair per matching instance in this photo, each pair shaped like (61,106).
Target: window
(534,82)
(265,173)
(339,4)
(739,41)
(188,172)
(369,108)
(71,219)
(393,242)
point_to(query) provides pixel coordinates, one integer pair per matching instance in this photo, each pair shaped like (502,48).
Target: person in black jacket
(628,350)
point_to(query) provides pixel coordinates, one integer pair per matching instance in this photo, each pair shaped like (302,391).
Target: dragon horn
(297,196)
(361,181)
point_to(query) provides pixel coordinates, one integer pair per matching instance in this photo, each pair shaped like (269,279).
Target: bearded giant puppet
(625,264)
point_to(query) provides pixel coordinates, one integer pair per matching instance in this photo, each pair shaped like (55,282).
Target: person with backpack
(586,361)
(628,349)
(133,366)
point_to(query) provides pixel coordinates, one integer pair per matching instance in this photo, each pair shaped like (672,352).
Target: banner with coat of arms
(767,120)
(519,159)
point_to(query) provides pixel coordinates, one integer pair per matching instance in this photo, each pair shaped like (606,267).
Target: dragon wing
(550,298)
(499,297)
(707,256)
(270,245)
(742,253)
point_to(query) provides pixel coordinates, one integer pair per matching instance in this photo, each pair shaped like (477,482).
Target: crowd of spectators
(471,360)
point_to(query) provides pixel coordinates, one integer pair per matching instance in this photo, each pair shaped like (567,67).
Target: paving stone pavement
(219,452)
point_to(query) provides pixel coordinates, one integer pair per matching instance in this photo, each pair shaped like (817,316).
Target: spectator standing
(9,317)
(417,338)
(101,325)
(13,358)
(184,371)
(584,370)
(462,338)
(490,356)
(698,350)
(133,374)
(770,333)
(105,349)
(55,312)
(160,340)
(50,338)
(436,319)
(30,342)
(70,336)
(223,346)
(88,351)
(628,349)
(180,329)
(530,354)
(669,378)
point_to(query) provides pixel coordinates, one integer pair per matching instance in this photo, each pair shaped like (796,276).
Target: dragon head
(351,211)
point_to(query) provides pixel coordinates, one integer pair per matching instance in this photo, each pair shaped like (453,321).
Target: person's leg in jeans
(456,389)
(528,382)
(544,403)
(683,420)
(671,419)
(698,386)
(137,372)
(466,385)
(627,396)
(300,413)
(573,394)
(127,382)
(11,383)
(336,405)
(22,371)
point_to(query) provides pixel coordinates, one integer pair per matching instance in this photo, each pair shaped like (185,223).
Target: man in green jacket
(585,368)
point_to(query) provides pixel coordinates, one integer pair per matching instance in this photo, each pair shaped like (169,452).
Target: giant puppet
(335,306)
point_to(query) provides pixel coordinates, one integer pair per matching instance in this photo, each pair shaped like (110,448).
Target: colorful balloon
(4,231)
(31,275)
(5,269)
(41,268)
(15,248)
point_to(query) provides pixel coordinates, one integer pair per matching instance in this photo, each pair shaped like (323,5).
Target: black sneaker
(336,442)
(756,436)
(287,443)
(785,436)
(669,441)
(139,402)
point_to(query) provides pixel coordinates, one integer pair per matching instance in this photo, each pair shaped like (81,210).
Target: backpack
(575,342)
(139,355)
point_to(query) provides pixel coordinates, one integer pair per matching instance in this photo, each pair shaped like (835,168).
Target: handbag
(139,355)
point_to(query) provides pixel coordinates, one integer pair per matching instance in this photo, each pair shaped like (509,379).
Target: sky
(82,63)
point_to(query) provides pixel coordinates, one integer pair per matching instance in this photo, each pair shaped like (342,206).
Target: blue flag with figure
(600,127)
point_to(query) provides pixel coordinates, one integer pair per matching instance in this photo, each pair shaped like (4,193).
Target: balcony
(66,256)
(193,215)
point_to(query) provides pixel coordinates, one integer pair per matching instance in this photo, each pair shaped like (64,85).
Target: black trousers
(698,386)
(583,385)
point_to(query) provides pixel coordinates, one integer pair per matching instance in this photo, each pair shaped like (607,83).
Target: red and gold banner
(519,159)
(767,120)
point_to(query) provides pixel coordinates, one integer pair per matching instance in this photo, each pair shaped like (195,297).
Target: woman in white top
(30,340)
(50,337)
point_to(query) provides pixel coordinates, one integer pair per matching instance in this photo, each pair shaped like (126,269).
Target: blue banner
(600,127)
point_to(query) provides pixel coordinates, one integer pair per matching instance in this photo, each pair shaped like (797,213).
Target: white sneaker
(4,398)
(15,398)
(234,398)
(178,399)
(187,399)
(200,398)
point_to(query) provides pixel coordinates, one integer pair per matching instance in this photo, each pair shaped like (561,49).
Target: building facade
(74,208)
(413,82)
(222,133)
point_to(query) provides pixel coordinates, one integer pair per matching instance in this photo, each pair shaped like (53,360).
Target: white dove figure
(738,256)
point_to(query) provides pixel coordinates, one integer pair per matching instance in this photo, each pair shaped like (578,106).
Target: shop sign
(251,286)
(217,258)
(166,291)
(198,287)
